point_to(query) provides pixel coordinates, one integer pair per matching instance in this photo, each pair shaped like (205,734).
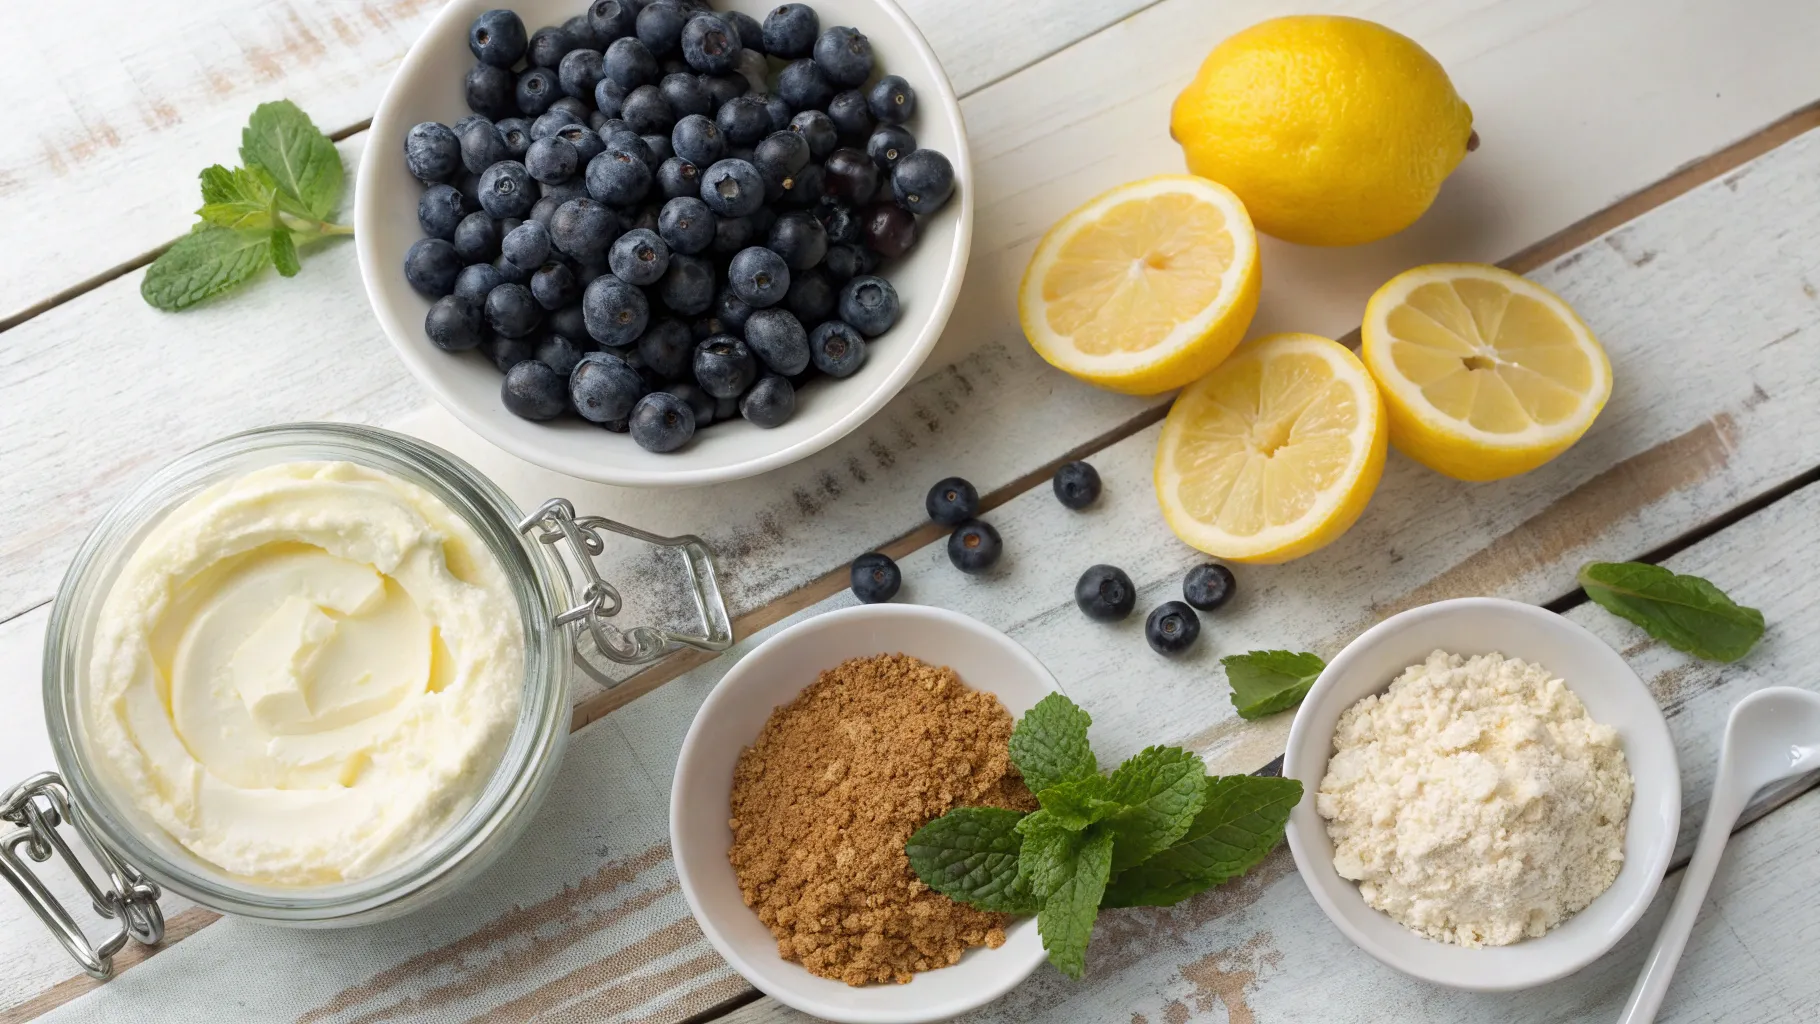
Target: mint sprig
(1684,612)
(1266,682)
(254,216)
(1155,831)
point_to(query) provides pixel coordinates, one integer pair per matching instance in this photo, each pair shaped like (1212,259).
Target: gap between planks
(1555,246)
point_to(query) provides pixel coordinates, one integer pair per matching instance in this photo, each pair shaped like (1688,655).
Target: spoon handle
(1722,812)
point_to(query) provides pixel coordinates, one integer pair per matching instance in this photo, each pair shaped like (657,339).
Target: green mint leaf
(1049,744)
(1068,872)
(239,198)
(1162,791)
(203,264)
(1266,682)
(284,252)
(1684,612)
(1240,822)
(970,854)
(1075,805)
(282,140)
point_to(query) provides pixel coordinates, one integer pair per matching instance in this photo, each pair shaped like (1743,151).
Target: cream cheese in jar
(306,672)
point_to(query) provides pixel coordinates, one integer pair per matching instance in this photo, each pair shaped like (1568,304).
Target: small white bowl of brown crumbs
(804,772)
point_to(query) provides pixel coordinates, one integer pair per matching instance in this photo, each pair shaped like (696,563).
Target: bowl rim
(385,130)
(1652,732)
(685,780)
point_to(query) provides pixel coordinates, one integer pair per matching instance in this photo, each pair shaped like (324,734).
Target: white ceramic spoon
(1772,734)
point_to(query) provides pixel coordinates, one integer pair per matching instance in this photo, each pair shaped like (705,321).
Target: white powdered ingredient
(1475,801)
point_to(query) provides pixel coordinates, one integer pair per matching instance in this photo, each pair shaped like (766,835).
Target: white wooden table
(1646,159)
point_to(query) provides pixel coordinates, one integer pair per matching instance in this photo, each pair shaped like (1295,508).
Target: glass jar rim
(538,588)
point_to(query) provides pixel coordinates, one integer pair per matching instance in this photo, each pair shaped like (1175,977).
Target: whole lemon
(1332,130)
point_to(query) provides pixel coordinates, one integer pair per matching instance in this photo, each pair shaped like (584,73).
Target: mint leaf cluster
(1153,832)
(1684,612)
(254,216)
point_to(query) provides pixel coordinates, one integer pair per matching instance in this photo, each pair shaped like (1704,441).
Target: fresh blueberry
(534,391)
(559,354)
(667,348)
(889,144)
(851,177)
(731,234)
(922,181)
(891,100)
(839,221)
(874,577)
(616,313)
(586,142)
(491,90)
(511,311)
(851,117)
(974,546)
(632,144)
(482,146)
(619,176)
(548,45)
(475,281)
(583,33)
(662,422)
(620,426)
(583,229)
(569,321)
(511,272)
(758,276)
(469,187)
(439,211)
(952,502)
(743,120)
(1172,628)
(837,349)
(612,19)
(1105,593)
(751,34)
(762,219)
(870,304)
(552,160)
(506,353)
(575,107)
(811,297)
(768,403)
(818,131)
(732,188)
(697,139)
(454,324)
(722,89)
(845,55)
(660,149)
(732,311)
(506,190)
(804,86)
(515,132)
(639,257)
(726,408)
(709,45)
(686,225)
(699,401)
(724,366)
(466,121)
(659,26)
(1209,586)
(431,266)
(686,94)
(629,64)
(777,337)
(677,178)
(780,157)
(604,387)
(890,230)
(846,260)
(497,38)
(579,73)
(527,245)
(790,31)
(609,97)
(554,285)
(1077,484)
(688,286)
(432,152)
(537,88)
(549,123)
(800,240)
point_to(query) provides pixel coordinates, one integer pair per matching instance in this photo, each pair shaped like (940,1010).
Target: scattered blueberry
(875,577)
(722,88)
(604,387)
(952,502)
(1077,484)
(609,97)
(506,190)
(616,313)
(482,146)
(732,311)
(804,85)
(439,211)
(889,144)
(475,281)
(548,46)
(768,403)
(497,38)
(554,286)
(659,26)
(801,241)
(697,139)
(511,311)
(431,266)
(1209,586)
(851,117)
(534,391)
(850,176)
(891,100)
(1172,628)
(582,229)
(732,188)
(662,422)
(490,91)
(686,225)
(586,142)
(551,160)
(647,112)
(743,120)
(869,304)
(889,230)
(844,261)
(724,366)
(639,257)
(922,181)
(844,54)
(618,176)
(974,546)
(527,245)
(818,131)
(611,19)
(1105,593)
(454,324)
(432,152)
(629,64)
(709,45)
(837,349)
(777,337)
(516,133)
(569,321)
(677,178)
(758,276)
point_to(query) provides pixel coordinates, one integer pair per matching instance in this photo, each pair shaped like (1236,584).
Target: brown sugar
(825,798)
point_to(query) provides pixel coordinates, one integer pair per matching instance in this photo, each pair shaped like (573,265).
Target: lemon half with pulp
(1275,454)
(1146,287)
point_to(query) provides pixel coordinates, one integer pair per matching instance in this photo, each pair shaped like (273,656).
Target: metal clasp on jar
(37,807)
(597,601)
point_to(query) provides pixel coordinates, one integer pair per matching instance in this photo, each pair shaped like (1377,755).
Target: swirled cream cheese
(305,673)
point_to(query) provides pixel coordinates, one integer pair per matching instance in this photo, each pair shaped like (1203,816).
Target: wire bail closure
(37,807)
(598,601)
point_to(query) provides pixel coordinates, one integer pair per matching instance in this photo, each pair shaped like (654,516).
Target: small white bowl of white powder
(1492,796)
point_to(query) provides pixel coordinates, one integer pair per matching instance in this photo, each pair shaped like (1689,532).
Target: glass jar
(548,603)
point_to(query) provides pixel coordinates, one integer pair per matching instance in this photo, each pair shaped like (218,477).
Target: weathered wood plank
(103,169)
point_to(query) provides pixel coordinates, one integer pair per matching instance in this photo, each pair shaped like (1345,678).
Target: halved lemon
(1274,454)
(1485,373)
(1146,287)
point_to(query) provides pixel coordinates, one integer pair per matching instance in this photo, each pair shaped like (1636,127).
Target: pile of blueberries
(659,216)
(1104,593)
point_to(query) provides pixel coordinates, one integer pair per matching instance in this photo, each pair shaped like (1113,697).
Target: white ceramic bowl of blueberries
(621,240)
